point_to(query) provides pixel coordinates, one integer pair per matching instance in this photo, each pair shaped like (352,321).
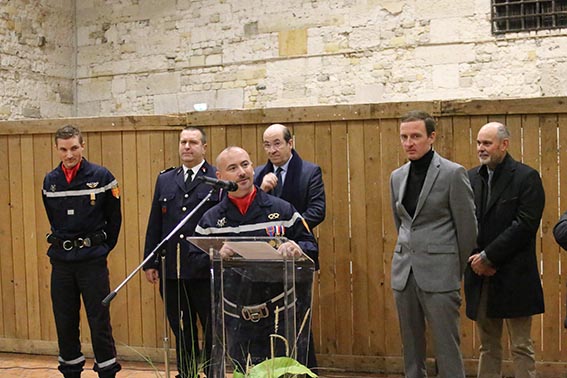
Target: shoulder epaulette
(166,170)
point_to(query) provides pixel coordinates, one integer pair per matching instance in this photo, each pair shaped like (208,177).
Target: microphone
(229,186)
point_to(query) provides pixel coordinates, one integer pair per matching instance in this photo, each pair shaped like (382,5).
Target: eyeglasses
(277,145)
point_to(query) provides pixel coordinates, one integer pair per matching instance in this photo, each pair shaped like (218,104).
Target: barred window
(524,15)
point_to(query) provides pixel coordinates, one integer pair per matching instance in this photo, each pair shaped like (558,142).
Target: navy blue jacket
(225,220)
(171,203)
(303,187)
(88,205)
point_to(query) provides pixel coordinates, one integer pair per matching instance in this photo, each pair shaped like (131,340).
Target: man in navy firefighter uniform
(82,201)
(177,192)
(249,211)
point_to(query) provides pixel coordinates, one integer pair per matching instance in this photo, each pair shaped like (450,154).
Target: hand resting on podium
(289,249)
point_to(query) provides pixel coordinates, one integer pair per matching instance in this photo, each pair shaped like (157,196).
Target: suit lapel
(404,172)
(430,177)
(501,182)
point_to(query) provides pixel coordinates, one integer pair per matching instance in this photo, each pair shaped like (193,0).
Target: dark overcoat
(507,231)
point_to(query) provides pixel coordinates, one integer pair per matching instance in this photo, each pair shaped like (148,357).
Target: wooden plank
(540,105)
(371,235)
(137,146)
(531,151)
(251,144)
(392,157)
(92,152)
(149,167)
(327,273)
(29,192)
(462,152)
(18,234)
(8,303)
(342,249)
(551,280)
(113,154)
(361,297)
(43,147)
(562,148)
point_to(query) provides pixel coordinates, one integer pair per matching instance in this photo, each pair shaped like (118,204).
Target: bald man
(250,212)
(298,181)
(502,282)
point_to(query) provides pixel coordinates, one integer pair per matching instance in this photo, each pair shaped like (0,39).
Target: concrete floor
(33,366)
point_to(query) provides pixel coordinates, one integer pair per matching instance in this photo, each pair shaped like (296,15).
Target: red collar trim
(243,203)
(70,173)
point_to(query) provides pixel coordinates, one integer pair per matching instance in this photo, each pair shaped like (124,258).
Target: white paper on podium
(254,250)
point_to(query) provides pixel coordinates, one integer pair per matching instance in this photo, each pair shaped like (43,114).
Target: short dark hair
(68,132)
(419,115)
(195,128)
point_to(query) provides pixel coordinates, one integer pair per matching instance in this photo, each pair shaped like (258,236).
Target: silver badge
(221,222)
(92,184)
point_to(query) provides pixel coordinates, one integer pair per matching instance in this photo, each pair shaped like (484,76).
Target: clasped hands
(289,249)
(480,266)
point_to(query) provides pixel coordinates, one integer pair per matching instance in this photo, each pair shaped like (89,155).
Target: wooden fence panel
(354,316)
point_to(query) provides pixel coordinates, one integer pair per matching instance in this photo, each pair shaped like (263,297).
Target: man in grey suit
(434,213)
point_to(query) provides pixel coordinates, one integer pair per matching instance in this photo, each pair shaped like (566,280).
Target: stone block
(230,98)
(292,42)
(445,76)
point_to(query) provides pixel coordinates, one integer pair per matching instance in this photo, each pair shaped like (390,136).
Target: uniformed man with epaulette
(250,212)
(177,193)
(82,201)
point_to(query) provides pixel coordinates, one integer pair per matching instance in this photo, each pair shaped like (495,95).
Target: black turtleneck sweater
(416,178)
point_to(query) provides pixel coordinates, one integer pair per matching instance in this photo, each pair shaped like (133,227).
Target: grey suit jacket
(435,244)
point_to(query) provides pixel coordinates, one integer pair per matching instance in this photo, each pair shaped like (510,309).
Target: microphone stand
(106,301)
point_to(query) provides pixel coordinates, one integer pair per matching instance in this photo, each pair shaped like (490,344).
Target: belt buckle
(255,313)
(67,245)
(87,242)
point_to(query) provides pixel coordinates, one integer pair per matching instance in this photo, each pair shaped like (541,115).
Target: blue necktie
(278,189)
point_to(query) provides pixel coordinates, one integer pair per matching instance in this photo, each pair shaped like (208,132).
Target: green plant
(276,367)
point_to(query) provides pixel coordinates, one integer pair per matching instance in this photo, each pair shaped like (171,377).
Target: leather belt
(91,240)
(254,313)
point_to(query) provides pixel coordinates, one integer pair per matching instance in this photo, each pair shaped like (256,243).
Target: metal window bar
(524,15)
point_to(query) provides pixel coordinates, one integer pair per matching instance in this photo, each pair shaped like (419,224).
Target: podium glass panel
(261,302)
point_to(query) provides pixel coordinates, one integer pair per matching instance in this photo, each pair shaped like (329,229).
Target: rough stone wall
(36,59)
(164,56)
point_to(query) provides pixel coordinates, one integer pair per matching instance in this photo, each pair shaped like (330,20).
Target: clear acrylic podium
(261,302)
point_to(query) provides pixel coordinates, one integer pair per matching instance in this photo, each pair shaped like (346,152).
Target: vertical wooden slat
(372,240)
(136,146)
(562,125)
(549,260)
(462,152)
(17,220)
(530,156)
(304,144)
(391,159)
(359,247)
(342,250)
(93,152)
(360,250)
(327,273)
(149,167)
(7,290)
(30,238)
(43,145)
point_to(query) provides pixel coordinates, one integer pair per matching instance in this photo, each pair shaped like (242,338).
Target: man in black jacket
(502,282)
(177,192)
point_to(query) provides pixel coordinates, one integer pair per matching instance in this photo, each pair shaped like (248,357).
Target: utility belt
(91,240)
(254,313)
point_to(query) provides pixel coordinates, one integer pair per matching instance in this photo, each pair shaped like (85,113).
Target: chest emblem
(53,188)
(221,222)
(92,185)
(273,216)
